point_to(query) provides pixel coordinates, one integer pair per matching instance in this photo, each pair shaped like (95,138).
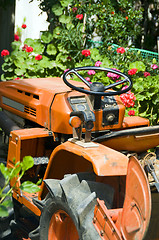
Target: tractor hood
(32,98)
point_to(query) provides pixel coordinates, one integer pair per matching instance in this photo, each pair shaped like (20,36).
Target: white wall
(35,21)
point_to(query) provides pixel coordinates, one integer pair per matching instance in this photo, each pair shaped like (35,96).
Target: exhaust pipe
(7,124)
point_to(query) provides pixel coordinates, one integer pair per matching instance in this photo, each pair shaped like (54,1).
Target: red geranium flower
(146,74)
(112,12)
(120,50)
(131,113)
(4,52)
(16,78)
(16,37)
(38,57)
(79,16)
(86,52)
(132,71)
(24,47)
(24,26)
(128,99)
(29,49)
(126,17)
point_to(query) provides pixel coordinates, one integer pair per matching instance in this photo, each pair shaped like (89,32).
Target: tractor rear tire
(69,207)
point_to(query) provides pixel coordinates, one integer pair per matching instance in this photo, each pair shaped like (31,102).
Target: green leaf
(3,77)
(19,71)
(15,45)
(60,65)
(52,64)
(38,46)
(62,49)
(51,49)
(27,163)
(29,187)
(61,57)
(57,10)
(65,3)
(57,32)
(46,37)
(4,170)
(7,68)
(19,61)
(3,211)
(14,172)
(95,54)
(29,41)
(64,19)
(70,26)
(106,62)
(140,66)
(45,63)
(7,203)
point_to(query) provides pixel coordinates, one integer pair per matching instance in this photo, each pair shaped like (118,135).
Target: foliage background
(73,26)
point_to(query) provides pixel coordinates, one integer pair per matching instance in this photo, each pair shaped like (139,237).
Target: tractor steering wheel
(97,88)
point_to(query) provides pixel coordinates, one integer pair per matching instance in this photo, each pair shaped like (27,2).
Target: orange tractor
(99,179)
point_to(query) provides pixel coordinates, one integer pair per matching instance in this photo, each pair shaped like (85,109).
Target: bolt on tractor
(100,181)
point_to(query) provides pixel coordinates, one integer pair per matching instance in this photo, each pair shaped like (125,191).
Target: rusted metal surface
(104,224)
(132,220)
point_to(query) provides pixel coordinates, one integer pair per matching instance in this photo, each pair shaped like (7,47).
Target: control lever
(87,119)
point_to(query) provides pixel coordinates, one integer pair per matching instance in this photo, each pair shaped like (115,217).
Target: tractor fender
(68,158)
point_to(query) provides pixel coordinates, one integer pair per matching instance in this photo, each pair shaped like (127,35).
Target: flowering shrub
(68,45)
(143,99)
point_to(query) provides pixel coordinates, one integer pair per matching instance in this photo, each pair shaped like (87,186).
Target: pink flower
(98,63)
(91,72)
(38,57)
(4,53)
(74,9)
(24,26)
(79,16)
(131,113)
(128,99)
(28,49)
(88,79)
(66,70)
(154,66)
(125,87)
(120,50)
(114,76)
(86,52)
(132,71)
(16,37)
(146,74)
